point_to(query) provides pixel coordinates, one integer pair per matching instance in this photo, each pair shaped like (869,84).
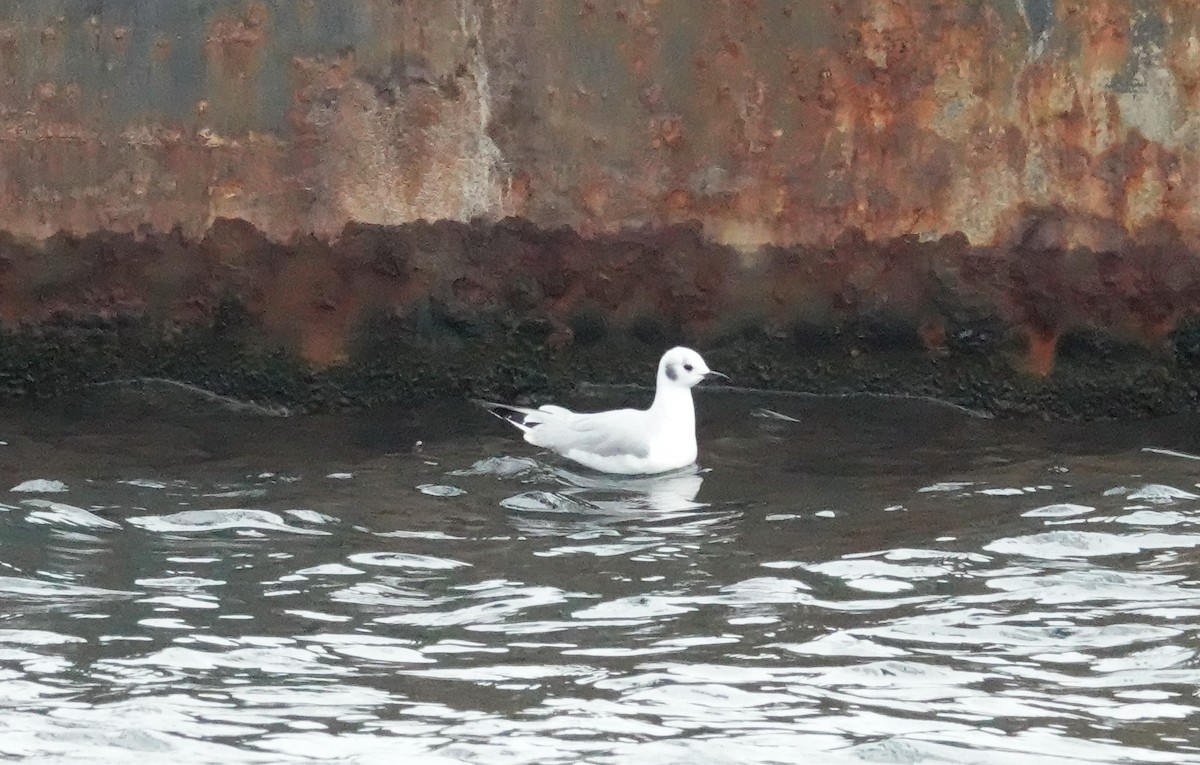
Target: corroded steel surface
(768,121)
(1032,161)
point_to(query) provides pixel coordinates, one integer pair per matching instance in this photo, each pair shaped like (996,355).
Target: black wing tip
(510,414)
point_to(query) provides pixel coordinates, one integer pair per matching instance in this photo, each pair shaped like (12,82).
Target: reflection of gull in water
(588,506)
(584,505)
(665,493)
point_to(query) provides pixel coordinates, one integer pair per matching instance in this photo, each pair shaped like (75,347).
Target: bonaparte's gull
(628,441)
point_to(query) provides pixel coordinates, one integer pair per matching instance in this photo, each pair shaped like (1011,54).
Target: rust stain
(236,43)
(161,52)
(1043,347)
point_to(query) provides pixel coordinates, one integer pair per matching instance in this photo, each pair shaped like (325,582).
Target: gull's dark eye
(687,367)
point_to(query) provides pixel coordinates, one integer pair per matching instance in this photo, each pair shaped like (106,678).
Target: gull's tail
(523,417)
(516,415)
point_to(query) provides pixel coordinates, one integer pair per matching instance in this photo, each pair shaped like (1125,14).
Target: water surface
(839,581)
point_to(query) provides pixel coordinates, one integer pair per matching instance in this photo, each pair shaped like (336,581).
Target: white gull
(626,441)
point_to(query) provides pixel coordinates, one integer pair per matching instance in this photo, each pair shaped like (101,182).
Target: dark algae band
(424,310)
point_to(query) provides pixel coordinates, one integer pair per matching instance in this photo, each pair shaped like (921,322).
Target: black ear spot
(672,375)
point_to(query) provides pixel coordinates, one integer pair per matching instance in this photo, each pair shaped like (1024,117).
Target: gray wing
(605,434)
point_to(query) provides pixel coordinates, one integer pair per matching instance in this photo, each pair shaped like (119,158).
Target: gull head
(683,368)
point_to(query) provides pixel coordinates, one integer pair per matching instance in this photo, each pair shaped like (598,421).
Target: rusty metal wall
(770,121)
(715,163)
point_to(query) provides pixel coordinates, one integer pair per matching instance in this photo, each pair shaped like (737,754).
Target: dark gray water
(878,581)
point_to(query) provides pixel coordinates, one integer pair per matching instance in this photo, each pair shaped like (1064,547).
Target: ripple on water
(895,679)
(330,569)
(1064,544)
(440,490)
(387,596)
(973,628)
(280,659)
(218,520)
(500,467)
(110,736)
(1160,494)
(40,486)
(37,590)
(501,673)
(1058,545)
(946,486)
(843,644)
(676,703)
(547,502)
(877,575)
(638,607)
(179,582)
(406,560)
(1162,657)
(312,516)
(145,483)
(36,637)
(953,744)
(551,616)
(499,602)
(1060,510)
(1156,518)
(1093,585)
(765,589)
(375,648)
(59,514)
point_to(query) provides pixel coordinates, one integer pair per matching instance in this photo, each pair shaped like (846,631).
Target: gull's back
(617,441)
